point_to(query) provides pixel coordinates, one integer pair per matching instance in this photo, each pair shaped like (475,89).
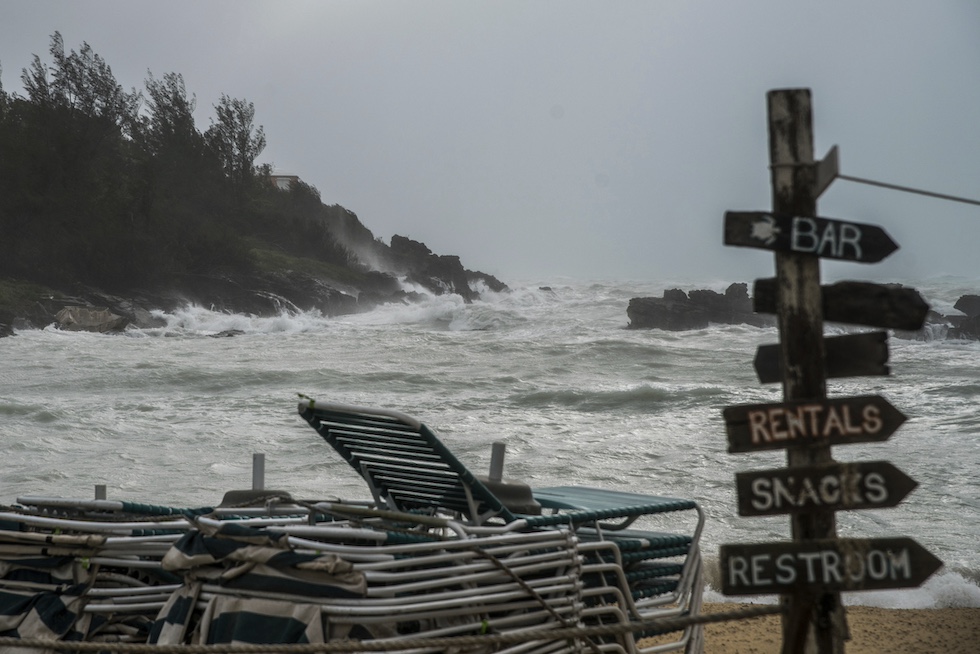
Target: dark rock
(491,282)
(380,284)
(227,333)
(265,294)
(89,319)
(444,274)
(408,254)
(438,274)
(678,311)
(669,313)
(7,323)
(136,310)
(738,294)
(965,328)
(968,304)
(952,326)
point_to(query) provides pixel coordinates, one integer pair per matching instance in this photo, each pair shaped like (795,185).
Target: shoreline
(872,629)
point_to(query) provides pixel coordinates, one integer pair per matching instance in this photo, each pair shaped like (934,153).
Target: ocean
(173,415)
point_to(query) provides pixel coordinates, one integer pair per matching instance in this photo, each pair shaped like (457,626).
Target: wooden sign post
(811,572)
(819,622)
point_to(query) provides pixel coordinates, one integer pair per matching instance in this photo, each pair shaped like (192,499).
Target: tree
(94,191)
(234,137)
(3,97)
(70,176)
(76,113)
(81,83)
(171,119)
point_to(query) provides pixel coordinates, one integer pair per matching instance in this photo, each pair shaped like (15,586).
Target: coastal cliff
(113,199)
(302,286)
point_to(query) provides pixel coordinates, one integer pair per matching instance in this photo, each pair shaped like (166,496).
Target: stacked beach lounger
(448,559)
(635,574)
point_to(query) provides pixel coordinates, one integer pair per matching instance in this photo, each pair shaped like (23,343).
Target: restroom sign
(830,565)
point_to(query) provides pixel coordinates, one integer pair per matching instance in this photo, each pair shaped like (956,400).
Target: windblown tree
(82,86)
(234,137)
(72,199)
(170,124)
(187,199)
(116,189)
(3,96)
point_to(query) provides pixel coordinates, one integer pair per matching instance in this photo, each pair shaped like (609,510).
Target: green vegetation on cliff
(119,190)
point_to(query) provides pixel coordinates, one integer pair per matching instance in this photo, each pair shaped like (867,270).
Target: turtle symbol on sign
(765,230)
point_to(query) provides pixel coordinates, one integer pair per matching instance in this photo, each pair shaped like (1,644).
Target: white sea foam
(193,320)
(171,416)
(942,590)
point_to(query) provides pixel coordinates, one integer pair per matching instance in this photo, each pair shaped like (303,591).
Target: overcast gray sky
(568,138)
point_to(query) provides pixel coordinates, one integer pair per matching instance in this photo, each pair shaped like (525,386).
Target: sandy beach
(873,631)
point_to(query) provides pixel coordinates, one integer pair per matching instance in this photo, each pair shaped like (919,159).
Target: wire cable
(908,189)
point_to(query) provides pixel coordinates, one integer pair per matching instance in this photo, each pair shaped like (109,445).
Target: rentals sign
(861,419)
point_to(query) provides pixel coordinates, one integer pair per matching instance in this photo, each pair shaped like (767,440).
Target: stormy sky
(549,139)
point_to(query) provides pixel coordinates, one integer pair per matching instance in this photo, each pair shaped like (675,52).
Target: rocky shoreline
(259,294)
(273,293)
(680,310)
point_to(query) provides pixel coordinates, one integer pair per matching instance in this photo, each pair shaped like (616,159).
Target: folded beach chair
(259,585)
(408,469)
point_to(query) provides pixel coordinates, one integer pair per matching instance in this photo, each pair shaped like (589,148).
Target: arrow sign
(825,566)
(832,487)
(823,237)
(861,419)
(851,355)
(827,170)
(860,303)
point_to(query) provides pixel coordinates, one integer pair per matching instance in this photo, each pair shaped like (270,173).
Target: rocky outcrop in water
(678,310)
(6,323)
(968,325)
(438,274)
